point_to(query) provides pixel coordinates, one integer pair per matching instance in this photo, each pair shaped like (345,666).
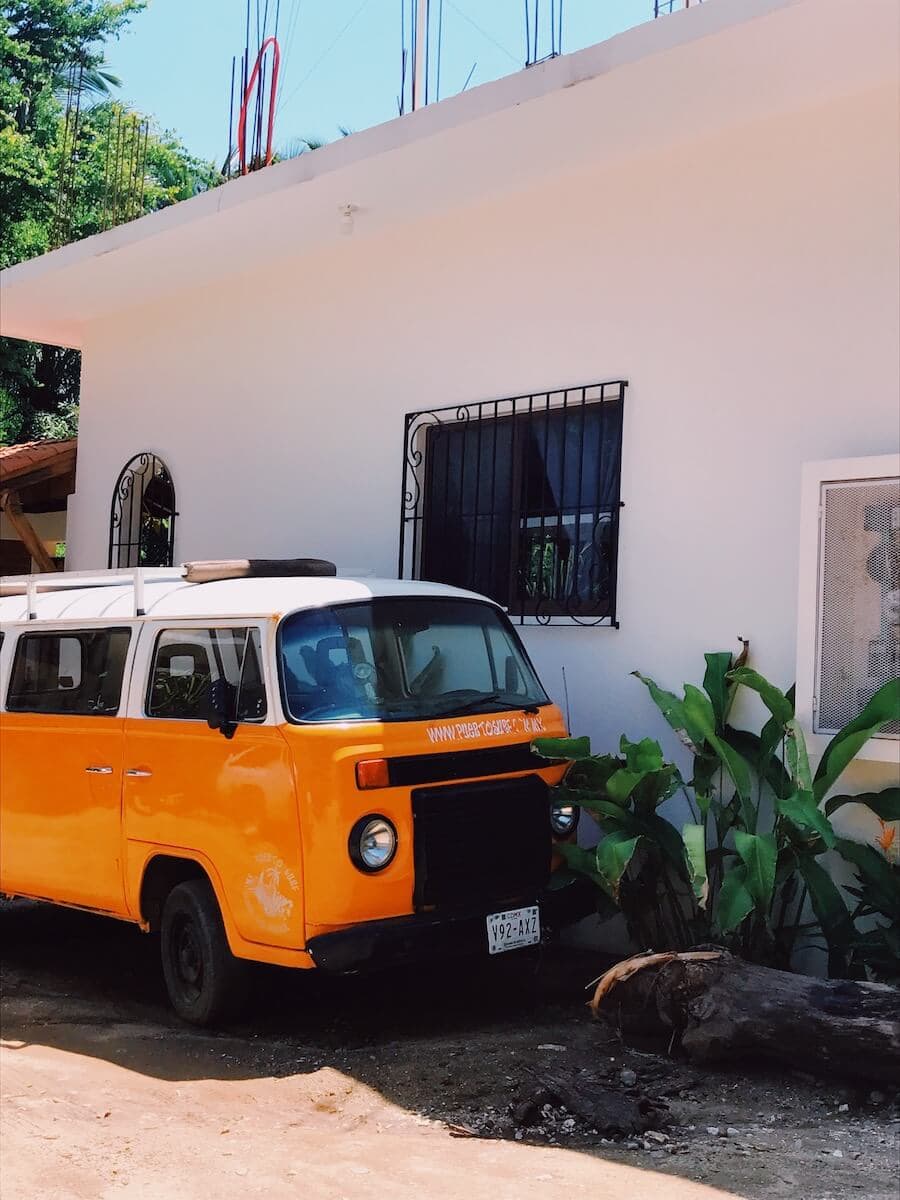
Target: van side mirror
(222,707)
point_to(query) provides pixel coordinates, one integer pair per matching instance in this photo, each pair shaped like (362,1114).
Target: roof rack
(137,577)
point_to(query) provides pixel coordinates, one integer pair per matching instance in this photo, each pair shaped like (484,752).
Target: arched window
(142,515)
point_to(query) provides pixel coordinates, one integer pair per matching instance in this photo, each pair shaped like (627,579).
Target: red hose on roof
(251,83)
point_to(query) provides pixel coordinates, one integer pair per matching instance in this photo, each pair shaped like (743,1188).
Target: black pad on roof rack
(258,568)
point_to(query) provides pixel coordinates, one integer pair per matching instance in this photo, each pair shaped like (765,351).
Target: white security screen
(858,610)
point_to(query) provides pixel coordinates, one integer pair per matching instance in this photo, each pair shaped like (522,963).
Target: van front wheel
(205,982)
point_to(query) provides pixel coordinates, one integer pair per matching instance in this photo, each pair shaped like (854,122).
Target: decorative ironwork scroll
(142,515)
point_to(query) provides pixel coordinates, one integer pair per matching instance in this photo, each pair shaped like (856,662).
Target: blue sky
(341,58)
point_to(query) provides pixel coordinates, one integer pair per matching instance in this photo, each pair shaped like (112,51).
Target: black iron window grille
(519,499)
(142,515)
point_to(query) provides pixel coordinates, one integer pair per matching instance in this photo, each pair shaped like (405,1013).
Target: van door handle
(134,773)
(99,770)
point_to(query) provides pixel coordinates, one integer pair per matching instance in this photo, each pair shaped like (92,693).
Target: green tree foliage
(41,43)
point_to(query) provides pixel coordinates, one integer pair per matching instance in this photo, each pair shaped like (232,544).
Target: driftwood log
(717,1007)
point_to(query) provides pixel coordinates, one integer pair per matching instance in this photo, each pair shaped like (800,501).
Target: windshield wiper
(475,705)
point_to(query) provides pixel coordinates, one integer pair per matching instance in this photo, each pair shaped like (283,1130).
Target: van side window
(78,673)
(187,661)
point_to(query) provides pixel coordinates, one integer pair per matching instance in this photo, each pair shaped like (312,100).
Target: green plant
(742,870)
(876,890)
(798,799)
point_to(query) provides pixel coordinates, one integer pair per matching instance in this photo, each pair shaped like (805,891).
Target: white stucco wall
(747,287)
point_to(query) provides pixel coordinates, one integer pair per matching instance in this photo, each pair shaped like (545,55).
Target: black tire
(205,982)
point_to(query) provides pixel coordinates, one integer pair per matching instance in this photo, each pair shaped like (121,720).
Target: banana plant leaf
(590,801)
(612,856)
(643,776)
(885,805)
(643,756)
(716,685)
(727,816)
(622,783)
(659,832)
(761,755)
(737,768)
(778,704)
(771,736)
(880,878)
(883,708)
(592,773)
(760,855)
(879,949)
(674,712)
(561,749)
(769,766)
(734,903)
(831,913)
(694,839)
(699,710)
(802,810)
(706,768)
(655,788)
(785,870)
(582,862)
(797,756)
(608,815)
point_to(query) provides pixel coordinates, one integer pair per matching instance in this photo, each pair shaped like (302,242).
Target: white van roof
(76,598)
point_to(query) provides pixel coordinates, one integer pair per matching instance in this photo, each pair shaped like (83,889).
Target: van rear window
(77,673)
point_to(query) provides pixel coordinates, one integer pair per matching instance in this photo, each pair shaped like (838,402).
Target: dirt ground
(401,1086)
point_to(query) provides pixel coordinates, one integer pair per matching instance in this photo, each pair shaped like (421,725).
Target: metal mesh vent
(858,648)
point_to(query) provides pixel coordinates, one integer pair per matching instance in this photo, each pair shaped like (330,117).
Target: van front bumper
(425,937)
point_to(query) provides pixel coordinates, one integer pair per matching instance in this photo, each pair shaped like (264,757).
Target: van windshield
(399,659)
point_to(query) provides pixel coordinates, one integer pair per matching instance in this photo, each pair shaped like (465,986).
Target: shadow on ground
(458,1045)
(67,974)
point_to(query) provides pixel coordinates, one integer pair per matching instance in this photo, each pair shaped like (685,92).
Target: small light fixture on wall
(347,212)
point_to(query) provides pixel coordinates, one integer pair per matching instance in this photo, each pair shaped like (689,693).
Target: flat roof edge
(633,45)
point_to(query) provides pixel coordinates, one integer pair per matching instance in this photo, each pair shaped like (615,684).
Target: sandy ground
(358,1089)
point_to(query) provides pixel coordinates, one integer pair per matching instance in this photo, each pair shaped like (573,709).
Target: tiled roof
(53,457)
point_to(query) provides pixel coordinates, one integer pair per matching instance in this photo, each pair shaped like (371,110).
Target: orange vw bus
(268,763)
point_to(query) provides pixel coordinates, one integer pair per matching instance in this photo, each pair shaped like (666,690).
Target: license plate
(513,929)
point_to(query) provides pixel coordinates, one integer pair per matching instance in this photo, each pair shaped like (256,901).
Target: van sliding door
(61,767)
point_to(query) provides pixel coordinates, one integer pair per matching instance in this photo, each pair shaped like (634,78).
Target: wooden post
(11,505)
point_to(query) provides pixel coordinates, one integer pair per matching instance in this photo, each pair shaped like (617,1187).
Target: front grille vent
(481,842)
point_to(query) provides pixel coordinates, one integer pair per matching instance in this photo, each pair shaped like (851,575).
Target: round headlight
(373,843)
(563,819)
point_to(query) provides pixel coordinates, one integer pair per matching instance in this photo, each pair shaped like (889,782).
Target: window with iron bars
(519,499)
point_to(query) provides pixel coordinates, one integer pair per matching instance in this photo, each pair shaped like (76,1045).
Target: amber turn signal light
(372,773)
